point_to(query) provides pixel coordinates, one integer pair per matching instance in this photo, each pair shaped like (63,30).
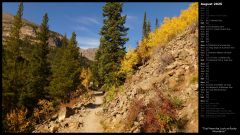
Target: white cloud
(81,28)
(131,17)
(88,42)
(86,20)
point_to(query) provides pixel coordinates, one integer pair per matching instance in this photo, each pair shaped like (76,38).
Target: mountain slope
(162,95)
(29,30)
(89,53)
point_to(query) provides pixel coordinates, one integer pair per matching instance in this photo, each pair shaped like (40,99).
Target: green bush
(177,103)
(110,92)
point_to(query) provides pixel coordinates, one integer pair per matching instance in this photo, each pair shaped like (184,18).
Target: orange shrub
(17,122)
(43,111)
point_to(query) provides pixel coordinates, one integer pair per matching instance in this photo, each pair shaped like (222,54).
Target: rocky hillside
(162,96)
(28,30)
(89,53)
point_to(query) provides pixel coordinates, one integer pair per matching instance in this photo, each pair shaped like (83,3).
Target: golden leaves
(161,36)
(86,75)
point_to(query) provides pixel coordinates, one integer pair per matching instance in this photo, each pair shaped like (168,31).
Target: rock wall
(89,53)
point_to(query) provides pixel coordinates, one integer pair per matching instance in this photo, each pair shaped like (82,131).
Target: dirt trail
(92,119)
(85,121)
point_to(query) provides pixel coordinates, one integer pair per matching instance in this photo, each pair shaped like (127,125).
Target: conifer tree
(144,30)
(111,50)
(148,27)
(64,41)
(156,24)
(65,70)
(41,65)
(13,64)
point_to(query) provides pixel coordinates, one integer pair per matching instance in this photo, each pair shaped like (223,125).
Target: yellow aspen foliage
(129,61)
(173,26)
(86,75)
(169,29)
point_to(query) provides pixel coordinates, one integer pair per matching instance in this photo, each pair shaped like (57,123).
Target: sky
(85,18)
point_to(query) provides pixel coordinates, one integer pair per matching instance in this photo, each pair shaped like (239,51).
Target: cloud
(85,20)
(81,28)
(88,42)
(131,17)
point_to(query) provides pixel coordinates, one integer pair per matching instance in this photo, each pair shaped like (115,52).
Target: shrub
(177,103)
(135,108)
(110,92)
(43,111)
(159,117)
(17,122)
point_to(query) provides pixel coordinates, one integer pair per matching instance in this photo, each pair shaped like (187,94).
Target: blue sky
(86,18)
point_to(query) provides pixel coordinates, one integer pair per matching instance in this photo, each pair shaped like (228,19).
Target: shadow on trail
(92,106)
(98,94)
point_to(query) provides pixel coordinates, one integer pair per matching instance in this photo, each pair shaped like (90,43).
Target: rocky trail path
(85,118)
(91,122)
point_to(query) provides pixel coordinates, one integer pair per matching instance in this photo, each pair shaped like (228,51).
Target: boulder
(65,112)
(183,54)
(54,128)
(137,130)
(54,117)
(80,124)
(172,83)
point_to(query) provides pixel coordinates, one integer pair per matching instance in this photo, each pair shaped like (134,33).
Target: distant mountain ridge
(89,53)
(29,30)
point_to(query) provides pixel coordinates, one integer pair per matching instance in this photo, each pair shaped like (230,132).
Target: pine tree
(111,50)
(64,41)
(144,30)
(148,27)
(43,66)
(13,64)
(65,70)
(74,59)
(15,73)
(156,25)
